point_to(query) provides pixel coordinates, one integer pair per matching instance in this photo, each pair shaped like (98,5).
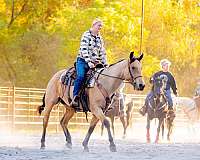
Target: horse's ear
(141,56)
(132,57)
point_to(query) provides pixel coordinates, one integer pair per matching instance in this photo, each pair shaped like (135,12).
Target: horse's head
(135,72)
(159,85)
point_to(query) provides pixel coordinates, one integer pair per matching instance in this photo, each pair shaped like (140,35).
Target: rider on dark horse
(171,83)
(90,53)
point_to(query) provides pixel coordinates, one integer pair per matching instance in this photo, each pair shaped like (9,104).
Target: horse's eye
(133,68)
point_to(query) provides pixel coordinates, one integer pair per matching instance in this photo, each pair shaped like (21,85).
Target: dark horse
(114,112)
(156,108)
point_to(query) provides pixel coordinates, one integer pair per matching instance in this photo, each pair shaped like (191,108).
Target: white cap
(96,21)
(164,62)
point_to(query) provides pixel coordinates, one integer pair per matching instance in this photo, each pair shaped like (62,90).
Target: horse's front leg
(158,129)
(110,137)
(93,124)
(100,115)
(148,130)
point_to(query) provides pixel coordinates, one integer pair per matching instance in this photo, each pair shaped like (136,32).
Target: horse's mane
(116,62)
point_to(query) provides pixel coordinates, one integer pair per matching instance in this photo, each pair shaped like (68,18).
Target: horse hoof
(113,148)
(148,140)
(124,136)
(156,141)
(86,149)
(69,145)
(42,147)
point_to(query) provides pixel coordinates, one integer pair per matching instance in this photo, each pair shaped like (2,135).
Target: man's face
(97,26)
(165,67)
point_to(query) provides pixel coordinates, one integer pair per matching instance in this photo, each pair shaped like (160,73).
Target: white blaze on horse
(109,79)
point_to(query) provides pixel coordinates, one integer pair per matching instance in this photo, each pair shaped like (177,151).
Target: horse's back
(55,79)
(197,101)
(54,85)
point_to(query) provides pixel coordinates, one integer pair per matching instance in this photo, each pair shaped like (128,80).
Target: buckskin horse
(156,108)
(106,84)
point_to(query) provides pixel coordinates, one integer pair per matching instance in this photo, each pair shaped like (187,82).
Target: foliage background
(40,37)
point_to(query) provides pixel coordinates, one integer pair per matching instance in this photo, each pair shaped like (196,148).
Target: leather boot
(74,102)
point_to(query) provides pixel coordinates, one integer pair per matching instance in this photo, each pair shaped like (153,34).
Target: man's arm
(173,85)
(103,54)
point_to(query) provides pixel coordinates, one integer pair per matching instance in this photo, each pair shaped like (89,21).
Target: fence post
(13,109)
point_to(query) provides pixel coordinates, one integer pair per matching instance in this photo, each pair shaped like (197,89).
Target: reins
(115,77)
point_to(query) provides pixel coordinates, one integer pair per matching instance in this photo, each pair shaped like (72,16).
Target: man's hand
(91,65)
(106,65)
(176,94)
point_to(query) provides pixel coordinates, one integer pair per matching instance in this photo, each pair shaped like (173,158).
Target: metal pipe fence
(18,111)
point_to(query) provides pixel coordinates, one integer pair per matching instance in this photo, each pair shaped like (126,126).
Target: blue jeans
(81,70)
(169,98)
(167,95)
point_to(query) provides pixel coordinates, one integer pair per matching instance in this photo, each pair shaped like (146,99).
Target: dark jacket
(171,83)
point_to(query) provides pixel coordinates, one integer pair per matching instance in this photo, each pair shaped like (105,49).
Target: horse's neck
(110,83)
(185,102)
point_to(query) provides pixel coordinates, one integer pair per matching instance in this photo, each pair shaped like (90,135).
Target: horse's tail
(41,108)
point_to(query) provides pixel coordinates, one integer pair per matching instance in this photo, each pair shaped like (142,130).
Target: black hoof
(42,147)
(124,136)
(86,149)
(148,141)
(69,145)
(113,148)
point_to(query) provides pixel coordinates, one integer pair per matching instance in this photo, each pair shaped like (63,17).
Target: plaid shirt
(92,49)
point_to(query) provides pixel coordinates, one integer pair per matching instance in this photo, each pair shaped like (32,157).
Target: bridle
(131,81)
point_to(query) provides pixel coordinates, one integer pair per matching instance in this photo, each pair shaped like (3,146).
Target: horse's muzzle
(139,87)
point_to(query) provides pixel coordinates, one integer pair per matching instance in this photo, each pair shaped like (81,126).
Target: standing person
(171,83)
(91,52)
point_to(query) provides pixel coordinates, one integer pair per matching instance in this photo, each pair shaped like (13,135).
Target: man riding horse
(91,52)
(171,83)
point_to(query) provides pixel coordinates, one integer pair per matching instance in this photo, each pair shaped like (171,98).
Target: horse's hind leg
(148,130)
(112,118)
(124,125)
(102,127)
(158,129)
(128,115)
(93,124)
(64,122)
(47,111)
